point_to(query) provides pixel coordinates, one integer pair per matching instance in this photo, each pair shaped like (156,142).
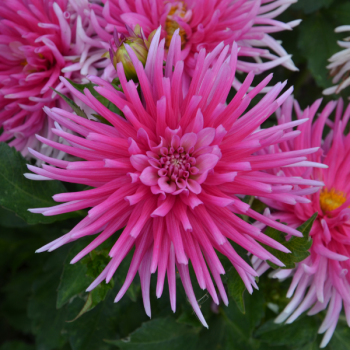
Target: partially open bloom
(204,24)
(138,43)
(39,41)
(171,170)
(321,280)
(340,65)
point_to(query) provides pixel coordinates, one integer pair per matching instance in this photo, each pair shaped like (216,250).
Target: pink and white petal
(166,185)
(194,186)
(149,176)
(206,162)
(188,141)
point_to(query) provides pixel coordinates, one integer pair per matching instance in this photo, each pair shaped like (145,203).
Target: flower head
(38,43)
(321,280)
(204,24)
(173,170)
(340,65)
(137,41)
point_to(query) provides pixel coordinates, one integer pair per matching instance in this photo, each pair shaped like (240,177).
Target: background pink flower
(203,24)
(171,170)
(339,65)
(321,280)
(39,41)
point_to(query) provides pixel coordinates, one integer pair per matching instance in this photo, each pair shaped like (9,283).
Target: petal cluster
(204,24)
(172,170)
(321,281)
(39,42)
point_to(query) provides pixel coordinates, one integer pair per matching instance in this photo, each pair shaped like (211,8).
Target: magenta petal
(149,176)
(166,185)
(188,140)
(194,186)
(139,161)
(175,142)
(206,162)
(205,137)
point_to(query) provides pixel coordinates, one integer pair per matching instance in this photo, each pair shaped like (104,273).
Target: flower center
(179,10)
(331,200)
(176,164)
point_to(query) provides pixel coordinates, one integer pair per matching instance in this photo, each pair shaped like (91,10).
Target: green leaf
(18,193)
(341,14)
(318,42)
(233,330)
(299,246)
(111,106)
(108,320)
(89,331)
(236,288)
(161,333)
(298,333)
(309,6)
(234,281)
(189,318)
(14,297)
(101,119)
(47,322)
(239,327)
(73,105)
(77,277)
(10,219)
(74,279)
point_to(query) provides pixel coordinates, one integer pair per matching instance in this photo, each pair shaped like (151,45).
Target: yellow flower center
(331,200)
(171,25)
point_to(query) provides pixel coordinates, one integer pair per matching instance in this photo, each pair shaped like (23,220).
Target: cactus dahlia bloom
(321,280)
(340,65)
(172,169)
(203,24)
(39,41)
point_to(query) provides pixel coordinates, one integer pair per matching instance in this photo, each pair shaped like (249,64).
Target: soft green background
(41,295)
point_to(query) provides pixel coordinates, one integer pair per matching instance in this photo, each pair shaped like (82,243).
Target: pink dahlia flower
(203,24)
(171,169)
(321,280)
(39,41)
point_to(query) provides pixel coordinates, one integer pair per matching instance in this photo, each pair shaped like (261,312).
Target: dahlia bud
(139,44)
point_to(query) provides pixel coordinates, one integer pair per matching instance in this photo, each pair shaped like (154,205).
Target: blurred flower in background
(39,42)
(340,64)
(321,281)
(203,24)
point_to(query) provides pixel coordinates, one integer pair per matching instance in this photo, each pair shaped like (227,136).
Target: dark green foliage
(309,6)
(299,246)
(236,288)
(161,333)
(112,107)
(73,105)
(18,193)
(279,334)
(318,42)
